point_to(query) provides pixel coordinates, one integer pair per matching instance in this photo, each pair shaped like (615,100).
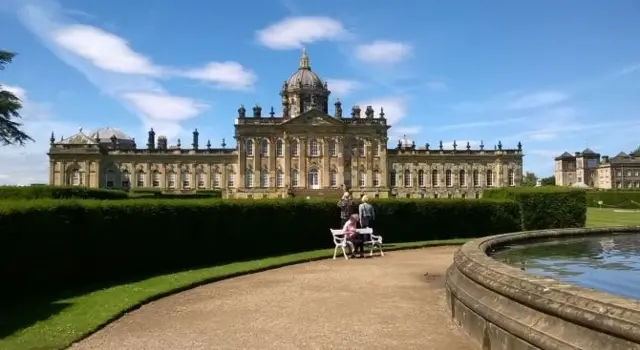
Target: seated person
(353,236)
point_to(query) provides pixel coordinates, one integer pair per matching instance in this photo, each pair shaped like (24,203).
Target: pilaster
(242,162)
(340,152)
(286,152)
(302,165)
(325,163)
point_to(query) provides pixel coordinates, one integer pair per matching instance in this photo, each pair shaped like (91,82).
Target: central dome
(304,77)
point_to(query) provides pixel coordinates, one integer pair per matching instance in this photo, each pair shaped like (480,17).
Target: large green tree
(10,105)
(529,179)
(548,181)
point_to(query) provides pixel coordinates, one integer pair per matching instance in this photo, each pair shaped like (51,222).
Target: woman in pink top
(353,236)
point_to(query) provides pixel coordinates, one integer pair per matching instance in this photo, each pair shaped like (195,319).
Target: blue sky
(555,75)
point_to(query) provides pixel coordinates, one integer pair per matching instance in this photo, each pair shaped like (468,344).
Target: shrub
(59,192)
(614,199)
(56,244)
(546,207)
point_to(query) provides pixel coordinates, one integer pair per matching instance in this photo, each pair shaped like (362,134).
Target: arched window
(201,179)
(333,178)
(421,178)
(264,147)
(264,178)
(512,177)
(215,179)
(361,178)
(171,179)
(392,178)
(249,146)
(333,148)
(434,178)
(476,178)
(313,148)
(376,178)
(407,178)
(447,178)
(185,179)
(74,178)
(231,179)
(294,178)
(279,178)
(489,178)
(140,178)
(155,178)
(248,178)
(294,148)
(125,179)
(462,178)
(279,148)
(314,178)
(110,178)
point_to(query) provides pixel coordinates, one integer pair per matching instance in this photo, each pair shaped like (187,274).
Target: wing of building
(302,151)
(590,169)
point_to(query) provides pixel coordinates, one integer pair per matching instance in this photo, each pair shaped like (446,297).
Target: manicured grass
(608,217)
(55,323)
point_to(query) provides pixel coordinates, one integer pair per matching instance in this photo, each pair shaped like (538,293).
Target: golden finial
(304,60)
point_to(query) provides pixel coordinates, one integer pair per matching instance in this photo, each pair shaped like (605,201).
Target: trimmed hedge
(59,244)
(546,207)
(59,192)
(622,199)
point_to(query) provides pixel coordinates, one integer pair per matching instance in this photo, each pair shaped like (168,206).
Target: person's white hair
(365,199)
(354,217)
(345,195)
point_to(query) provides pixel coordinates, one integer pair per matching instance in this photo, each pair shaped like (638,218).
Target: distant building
(592,169)
(302,150)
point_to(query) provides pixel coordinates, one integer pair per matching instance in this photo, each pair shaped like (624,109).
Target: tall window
(421,178)
(231,179)
(434,178)
(201,179)
(407,178)
(155,178)
(215,179)
(294,178)
(333,148)
(361,148)
(333,178)
(376,178)
(489,178)
(462,178)
(264,178)
(512,177)
(248,178)
(185,178)
(393,176)
(361,178)
(294,148)
(110,178)
(279,148)
(279,178)
(375,148)
(314,178)
(264,147)
(171,181)
(313,148)
(347,178)
(249,146)
(125,179)
(447,178)
(75,178)
(140,178)
(476,178)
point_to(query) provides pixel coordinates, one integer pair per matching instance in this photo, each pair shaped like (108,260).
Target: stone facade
(304,151)
(590,169)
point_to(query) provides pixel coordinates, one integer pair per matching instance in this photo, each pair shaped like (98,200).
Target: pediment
(313,117)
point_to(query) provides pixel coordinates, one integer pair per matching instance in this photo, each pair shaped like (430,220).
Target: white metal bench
(340,240)
(371,240)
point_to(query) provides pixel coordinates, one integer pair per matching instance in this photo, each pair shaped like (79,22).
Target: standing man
(347,208)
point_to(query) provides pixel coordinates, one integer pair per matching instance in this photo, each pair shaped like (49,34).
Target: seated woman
(353,236)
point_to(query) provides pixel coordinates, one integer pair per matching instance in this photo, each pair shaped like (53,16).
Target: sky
(555,75)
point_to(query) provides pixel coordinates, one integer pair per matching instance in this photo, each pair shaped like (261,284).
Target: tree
(548,181)
(10,105)
(529,179)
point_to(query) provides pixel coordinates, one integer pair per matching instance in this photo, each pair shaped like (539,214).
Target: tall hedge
(623,199)
(59,244)
(59,192)
(546,207)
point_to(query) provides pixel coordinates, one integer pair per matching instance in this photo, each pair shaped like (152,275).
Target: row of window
(75,179)
(448,178)
(313,149)
(619,173)
(628,184)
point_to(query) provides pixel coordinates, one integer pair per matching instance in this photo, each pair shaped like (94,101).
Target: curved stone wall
(502,307)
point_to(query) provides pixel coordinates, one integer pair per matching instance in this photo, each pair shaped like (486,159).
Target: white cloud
(16,90)
(537,99)
(383,52)
(630,69)
(480,124)
(226,75)
(164,107)
(341,87)
(394,108)
(295,32)
(105,50)
(405,130)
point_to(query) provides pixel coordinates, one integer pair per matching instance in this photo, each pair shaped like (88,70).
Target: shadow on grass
(17,316)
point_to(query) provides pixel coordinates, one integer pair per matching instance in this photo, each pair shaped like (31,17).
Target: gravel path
(377,303)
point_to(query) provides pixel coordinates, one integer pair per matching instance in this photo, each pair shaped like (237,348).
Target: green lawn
(608,217)
(56,322)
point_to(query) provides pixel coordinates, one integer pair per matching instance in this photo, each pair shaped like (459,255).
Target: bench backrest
(365,231)
(338,236)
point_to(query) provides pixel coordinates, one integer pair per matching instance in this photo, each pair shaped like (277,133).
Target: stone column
(384,165)
(272,162)
(194,176)
(256,165)
(325,162)
(340,165)
(286,152)
(369,167)
(242,162)
(302,165)
(52,177)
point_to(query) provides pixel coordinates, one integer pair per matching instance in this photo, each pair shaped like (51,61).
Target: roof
(106,133)
(589,151)
(79,138)
(304,77)
(565,155)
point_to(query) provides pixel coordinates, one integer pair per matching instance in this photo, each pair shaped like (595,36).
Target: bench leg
(335,251)
(381,252)
(344,252)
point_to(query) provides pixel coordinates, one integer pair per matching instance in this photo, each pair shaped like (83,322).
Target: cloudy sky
(555,75)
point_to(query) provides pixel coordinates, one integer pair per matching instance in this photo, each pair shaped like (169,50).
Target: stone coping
(599,311)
